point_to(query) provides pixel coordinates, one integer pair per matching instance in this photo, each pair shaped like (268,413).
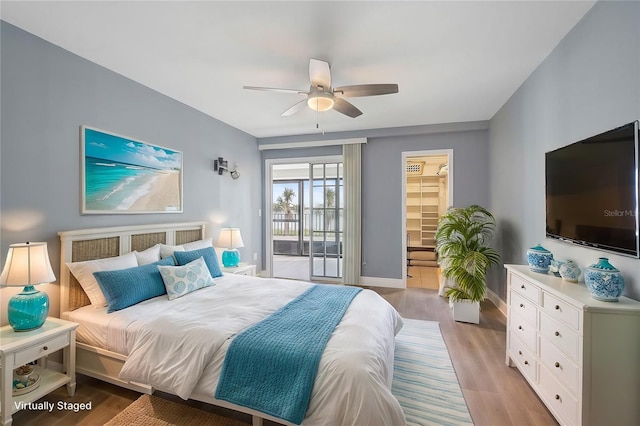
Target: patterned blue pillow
(208,254)
(180,280)
(126,287)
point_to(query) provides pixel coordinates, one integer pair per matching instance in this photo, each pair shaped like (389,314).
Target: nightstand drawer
(38,351)
(242,269)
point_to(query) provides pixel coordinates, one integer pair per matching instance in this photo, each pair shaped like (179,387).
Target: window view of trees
(284,205)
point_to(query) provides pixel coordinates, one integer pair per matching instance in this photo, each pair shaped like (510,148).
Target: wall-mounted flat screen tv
(592,191)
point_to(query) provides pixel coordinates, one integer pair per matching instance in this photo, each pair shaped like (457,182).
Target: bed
(354,376)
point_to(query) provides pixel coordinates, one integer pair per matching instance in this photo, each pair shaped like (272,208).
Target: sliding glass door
(325,220)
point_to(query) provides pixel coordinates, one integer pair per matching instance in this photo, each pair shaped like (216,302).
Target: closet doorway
(427,193)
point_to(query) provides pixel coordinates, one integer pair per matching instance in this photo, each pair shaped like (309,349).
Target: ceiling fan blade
(274,89)
(365,90)
(346,108)
(319,73)
(297,107)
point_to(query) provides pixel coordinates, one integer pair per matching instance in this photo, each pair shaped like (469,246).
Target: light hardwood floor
(496,394)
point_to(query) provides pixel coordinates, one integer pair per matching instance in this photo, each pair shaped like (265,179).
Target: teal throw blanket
(271,367)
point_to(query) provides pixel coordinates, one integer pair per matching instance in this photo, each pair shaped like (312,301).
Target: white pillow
(83,271)
(197,245)
(180,280)
(150,255)
(166,251)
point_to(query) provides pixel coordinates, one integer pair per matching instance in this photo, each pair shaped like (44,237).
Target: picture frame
(122,175)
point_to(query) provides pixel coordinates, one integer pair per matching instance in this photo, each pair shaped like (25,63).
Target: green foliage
(284,202)
(462,243)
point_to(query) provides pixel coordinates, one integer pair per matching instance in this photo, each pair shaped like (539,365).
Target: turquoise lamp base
(230,258)
(28,309)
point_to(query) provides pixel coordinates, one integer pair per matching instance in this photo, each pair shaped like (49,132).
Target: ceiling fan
(322,97)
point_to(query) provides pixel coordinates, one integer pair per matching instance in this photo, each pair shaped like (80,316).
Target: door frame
(406,155)
(268,196)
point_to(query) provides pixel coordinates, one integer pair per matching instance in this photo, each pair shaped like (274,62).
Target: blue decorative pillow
(208,254)
(180,280)
(126,287)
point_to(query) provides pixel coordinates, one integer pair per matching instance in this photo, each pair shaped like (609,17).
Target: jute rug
(424,382)
(149,410)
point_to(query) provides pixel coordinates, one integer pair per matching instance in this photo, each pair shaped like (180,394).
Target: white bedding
(355,372)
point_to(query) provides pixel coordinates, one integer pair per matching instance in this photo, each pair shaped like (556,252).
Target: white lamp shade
(230,238)
(27,264)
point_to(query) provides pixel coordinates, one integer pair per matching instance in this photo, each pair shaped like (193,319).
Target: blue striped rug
(424,381)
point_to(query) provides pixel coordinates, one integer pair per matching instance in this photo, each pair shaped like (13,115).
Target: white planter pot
(466,311)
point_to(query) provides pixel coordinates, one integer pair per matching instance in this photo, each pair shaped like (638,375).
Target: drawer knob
(557,396)
(519,327)
(557,333)
(519,352)
(522,305)
(526,363)
(45,348)
(557,307)
(557,364)
(522,286)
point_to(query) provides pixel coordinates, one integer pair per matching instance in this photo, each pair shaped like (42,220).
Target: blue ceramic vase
(604,281)
(569,271)
(539,259)
(554,268)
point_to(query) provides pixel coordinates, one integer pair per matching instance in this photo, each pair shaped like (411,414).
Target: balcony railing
(291,233)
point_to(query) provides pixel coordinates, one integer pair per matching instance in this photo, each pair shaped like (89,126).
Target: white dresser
(580,355)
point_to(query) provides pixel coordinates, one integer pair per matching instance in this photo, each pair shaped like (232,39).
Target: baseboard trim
(382,282)
(502,306)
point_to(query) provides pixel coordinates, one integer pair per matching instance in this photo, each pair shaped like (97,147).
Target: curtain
(352,254)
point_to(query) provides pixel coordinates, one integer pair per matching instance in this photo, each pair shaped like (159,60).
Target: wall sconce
(220,165)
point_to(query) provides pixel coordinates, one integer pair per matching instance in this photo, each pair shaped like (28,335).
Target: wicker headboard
(100,243)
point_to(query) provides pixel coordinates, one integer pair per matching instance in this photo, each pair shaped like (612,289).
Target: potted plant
(462,243)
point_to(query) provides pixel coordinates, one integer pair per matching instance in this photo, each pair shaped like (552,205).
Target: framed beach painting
(121,175)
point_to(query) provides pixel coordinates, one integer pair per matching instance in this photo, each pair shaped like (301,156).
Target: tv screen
(592,191)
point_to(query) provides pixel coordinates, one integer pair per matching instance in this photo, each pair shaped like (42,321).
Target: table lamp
(27,265)
(230,239)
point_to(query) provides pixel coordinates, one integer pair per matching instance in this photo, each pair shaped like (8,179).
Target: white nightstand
(17,349)
(241,269)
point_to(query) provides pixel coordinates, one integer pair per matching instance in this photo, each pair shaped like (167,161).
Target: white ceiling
(454,61)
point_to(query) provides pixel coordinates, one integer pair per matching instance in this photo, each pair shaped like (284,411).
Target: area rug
(149,410)
(424,381)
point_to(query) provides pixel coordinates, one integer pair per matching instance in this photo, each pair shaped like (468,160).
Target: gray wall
(590,83)
(48,92)
(382,180)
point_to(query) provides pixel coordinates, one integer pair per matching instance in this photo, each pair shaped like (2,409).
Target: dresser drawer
(523,358)
(565,370)
(558,398)
(34,352)
(525,288)
(524,307)
(561,336)
(524,330)
(560,310)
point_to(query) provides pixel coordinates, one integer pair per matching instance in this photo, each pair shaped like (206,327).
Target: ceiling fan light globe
(320,103)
